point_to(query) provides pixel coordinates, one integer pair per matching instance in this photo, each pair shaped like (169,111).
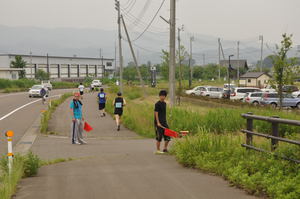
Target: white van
(239,93)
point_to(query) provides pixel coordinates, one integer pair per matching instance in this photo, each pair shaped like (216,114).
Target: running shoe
(165,151)
(159,152)
(118,129)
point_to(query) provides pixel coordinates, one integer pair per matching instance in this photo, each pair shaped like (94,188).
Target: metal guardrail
(275,138)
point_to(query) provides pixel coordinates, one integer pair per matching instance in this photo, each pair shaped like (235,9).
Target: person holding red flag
(77,120)
(160,122)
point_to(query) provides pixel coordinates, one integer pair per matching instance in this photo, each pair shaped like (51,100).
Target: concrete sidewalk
(114,165)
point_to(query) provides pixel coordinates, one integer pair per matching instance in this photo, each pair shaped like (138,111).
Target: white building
(58,67)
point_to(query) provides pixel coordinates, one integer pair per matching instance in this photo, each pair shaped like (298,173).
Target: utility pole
(261,38)
(115,59)
(48,68)
(31,65)
(219,54)
(179,58)
(238,60)
(190,62)
(118,7)
(133,55)
(103,68)
(172,60)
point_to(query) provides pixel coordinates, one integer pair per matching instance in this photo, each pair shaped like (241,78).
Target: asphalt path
(18,112)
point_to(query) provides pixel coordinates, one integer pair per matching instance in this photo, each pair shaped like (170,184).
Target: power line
(162,3)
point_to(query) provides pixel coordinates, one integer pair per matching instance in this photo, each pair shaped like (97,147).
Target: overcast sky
(228,19)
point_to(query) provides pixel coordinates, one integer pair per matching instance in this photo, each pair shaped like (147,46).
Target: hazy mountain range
(87,42)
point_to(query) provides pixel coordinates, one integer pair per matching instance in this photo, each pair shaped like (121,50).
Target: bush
(32,164)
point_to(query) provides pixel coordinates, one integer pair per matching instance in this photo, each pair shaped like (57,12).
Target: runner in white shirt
(81,89)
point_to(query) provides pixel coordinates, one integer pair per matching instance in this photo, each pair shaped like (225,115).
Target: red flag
(171,133)
(87,127)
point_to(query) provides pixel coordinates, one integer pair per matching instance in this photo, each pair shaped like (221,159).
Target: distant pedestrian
(102,101)
(81,89)
(43,94)
(77,120)
(160,122)
(119,103)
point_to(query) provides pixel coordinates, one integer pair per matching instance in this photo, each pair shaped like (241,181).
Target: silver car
(212,92)
(35,91)
(253,98)
(273,100)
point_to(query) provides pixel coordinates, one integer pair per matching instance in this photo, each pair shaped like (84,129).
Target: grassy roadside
(47,114)
(23,166)
(215,144)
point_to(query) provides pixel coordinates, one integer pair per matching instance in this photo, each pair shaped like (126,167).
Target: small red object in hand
(171,133)
(87,127)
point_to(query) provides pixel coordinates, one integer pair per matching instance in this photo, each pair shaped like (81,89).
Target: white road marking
(21,107)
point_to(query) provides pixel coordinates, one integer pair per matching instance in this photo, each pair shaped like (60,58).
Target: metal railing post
(249,128)
(275,132)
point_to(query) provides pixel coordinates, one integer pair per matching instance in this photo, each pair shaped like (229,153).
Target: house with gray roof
(255,79)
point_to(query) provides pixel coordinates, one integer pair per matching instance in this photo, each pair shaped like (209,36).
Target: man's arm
(157,120)
(124,102)
(72,114)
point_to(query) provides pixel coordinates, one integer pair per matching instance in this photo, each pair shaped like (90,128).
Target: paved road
(22,119)
(114,165)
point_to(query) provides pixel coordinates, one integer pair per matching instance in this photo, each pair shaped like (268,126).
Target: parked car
(195,91)
(211,91)
(290,88)
(273,100)
(253,98)
(96,83)
(268,89)
(47,84)
(226,86)
(35,91)
(238,93)
(296,94)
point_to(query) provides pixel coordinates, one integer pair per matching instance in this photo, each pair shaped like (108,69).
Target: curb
(28,139)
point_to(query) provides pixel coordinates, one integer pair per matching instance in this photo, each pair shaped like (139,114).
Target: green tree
(42,75)
(283,67)
(19,63)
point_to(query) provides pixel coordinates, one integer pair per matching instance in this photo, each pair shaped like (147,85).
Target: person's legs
(166,146)
(158,145)
(80,132)
(159,136)
(76,132)
(117,119)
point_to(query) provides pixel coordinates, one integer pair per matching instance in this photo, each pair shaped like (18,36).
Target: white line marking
(21,107)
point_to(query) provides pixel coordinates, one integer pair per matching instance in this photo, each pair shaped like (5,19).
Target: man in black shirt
(160,121)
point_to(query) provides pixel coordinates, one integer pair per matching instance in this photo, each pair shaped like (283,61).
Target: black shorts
(81,92)
(160,133)
(101,106)
(118,112)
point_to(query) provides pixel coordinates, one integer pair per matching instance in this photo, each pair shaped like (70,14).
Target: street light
(229,68)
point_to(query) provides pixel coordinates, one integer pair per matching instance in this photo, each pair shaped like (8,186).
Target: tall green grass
(258,173)
(23,166)
(21,83)
(46,116)
(64,85)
